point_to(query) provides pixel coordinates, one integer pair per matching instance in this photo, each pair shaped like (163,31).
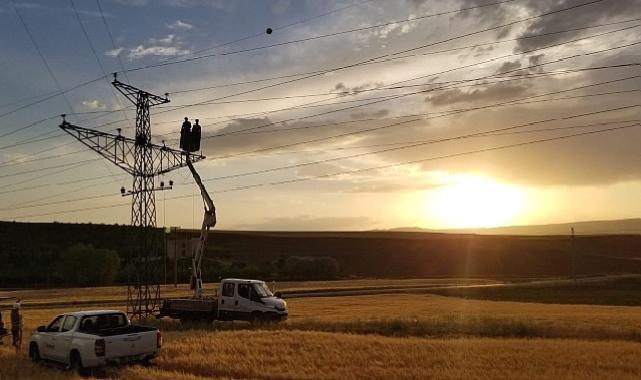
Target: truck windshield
(262,290)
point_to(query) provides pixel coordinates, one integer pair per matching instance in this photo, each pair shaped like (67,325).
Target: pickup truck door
(63,339)
(228,301)
(49,338)
(243,301)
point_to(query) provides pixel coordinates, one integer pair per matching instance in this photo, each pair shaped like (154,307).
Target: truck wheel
(256,318)
(34,353)
(75,364)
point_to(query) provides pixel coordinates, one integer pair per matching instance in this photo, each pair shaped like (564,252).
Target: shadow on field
(448,326)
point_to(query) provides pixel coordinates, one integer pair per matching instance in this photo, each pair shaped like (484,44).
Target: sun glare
(473,201)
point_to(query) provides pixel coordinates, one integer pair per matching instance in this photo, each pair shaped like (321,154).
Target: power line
(111,37)
(444,113)
(388,59)
(343,67)
(420,77)
(329,175)
(414,19)
(426,159)
(93,50)
(361,131)
(262,33)
(51,95)
(531,131)
(414,145)
(440,113)
(475,45)
(48,168)
(432,75)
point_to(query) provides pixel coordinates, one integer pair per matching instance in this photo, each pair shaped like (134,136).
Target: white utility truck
(89,339)
(238,299)
(248,300)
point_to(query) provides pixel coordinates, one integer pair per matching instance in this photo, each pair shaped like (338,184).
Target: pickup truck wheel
(75,364)
(34,353)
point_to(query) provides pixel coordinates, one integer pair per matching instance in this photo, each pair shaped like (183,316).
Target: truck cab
(237,299)
(249,300)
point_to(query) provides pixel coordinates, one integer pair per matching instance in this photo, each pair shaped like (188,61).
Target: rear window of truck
(103,322)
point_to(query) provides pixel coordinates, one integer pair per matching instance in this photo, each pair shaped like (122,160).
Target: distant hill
(599,227)
(29,252)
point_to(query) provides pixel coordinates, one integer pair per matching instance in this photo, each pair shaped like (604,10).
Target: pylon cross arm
(120,150)
(134,94)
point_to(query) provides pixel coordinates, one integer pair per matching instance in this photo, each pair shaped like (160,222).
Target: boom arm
(209,221)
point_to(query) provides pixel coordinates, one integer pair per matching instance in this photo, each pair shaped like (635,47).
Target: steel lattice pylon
(144,161)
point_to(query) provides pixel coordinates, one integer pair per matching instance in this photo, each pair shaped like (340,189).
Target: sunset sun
(474,201)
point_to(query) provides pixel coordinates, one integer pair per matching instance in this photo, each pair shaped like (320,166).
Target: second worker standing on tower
(190,137)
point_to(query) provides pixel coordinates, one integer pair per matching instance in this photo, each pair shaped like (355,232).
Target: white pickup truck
(89,339)
(239,299)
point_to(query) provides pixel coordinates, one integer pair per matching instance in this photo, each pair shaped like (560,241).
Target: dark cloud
(345,90)
(592,14)
(366,115)
(508,66)
(494,92)
(604,11)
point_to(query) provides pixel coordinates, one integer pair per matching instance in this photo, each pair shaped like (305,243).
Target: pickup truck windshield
(103,322)
(262,290)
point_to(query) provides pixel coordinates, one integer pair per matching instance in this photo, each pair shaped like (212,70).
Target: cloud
(178,24)
(508,66)
(590,14)
(164,41)
(93,105)
(369,115)
(345,90)
(141,51)
(498,91)
(114,52)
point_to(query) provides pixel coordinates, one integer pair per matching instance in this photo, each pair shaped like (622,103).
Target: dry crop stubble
(314,355)
(356,349)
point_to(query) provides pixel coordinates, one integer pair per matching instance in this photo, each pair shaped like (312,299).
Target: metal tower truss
(143,160)
(121,151)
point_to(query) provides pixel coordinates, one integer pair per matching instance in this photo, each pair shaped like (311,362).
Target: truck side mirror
(41,329)
(278,295)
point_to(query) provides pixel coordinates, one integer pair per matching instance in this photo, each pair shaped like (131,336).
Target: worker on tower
(185,133)
(195,137)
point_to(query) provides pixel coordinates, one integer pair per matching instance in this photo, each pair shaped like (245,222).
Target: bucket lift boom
(209,221)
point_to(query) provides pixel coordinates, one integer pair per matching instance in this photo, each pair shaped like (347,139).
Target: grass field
(625,292)
(404,336)
(60,296)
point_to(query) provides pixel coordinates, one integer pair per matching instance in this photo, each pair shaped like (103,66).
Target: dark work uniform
(195,138)
(3,330)
(185,133)
(16,328)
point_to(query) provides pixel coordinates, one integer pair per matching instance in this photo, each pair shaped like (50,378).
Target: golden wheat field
(404,336)
(117,293)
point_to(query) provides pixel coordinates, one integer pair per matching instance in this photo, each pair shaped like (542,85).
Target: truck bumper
(123,360)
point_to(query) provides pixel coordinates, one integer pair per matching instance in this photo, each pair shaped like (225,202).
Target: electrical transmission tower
(144,160)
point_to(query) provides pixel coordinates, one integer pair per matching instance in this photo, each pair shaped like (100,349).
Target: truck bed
(190,308)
